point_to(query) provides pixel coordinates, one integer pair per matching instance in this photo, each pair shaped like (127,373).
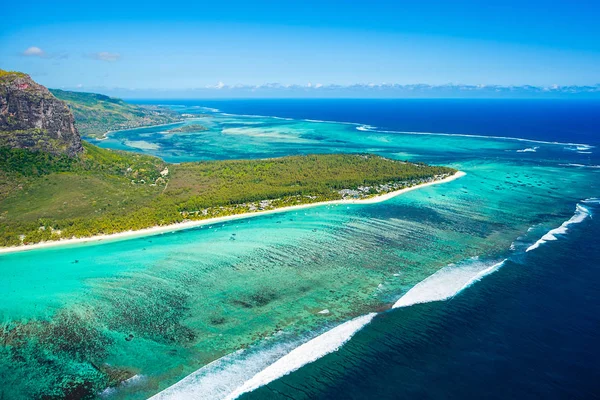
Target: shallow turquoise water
(529,329)
(190,297)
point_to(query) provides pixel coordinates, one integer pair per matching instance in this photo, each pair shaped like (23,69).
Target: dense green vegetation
(9,74)
(48,197)
(188,128)
(96,114)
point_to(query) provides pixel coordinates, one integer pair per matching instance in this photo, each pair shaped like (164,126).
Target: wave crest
(528,150)
(448,282)
(242,372)
(581,213)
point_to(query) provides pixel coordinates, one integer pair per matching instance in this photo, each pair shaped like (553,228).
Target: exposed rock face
(32,118)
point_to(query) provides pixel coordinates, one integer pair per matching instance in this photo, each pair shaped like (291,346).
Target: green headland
(49,193)
(96,114)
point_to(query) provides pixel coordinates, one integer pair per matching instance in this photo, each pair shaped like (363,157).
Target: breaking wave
(221,377)
(528,150)
(579,147)
(571,146)
(581,213)
(246,370)
(366,128)
(241,372)
(579,165)
(448,282)
(307,353)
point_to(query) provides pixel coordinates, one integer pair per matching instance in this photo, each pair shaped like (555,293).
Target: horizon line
(323,87)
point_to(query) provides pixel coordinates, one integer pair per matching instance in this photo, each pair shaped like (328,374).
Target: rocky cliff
(32,118)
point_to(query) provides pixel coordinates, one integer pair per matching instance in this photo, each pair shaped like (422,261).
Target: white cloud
(219,85)
(79,86)
(105,56)
(34,51)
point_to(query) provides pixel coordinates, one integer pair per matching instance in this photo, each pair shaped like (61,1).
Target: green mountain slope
(96,114)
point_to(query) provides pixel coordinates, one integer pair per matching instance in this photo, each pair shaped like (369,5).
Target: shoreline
(193,224)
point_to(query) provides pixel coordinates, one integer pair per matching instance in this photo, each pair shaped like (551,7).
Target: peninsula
(68,189)
(97,114)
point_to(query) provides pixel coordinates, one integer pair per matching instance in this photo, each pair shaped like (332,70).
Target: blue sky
(156,45)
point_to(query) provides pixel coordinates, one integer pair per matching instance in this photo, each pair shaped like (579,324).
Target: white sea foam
(448,282)
(528,150)
(244,371)
(319,120)
(580,165)
(581,213)
(257,116)
(307,353)
(591,200)
(221,377)
(578,146)
(365,128)
(249,115)
(330,122)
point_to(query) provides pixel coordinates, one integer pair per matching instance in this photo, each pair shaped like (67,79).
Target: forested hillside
(49,197)
(96,114)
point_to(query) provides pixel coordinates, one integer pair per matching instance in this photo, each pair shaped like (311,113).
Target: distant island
(188,129)
(54,186)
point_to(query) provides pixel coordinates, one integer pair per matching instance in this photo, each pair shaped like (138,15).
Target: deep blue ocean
(551,120)
(529,330)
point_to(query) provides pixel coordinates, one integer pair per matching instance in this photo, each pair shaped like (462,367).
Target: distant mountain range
(370,90)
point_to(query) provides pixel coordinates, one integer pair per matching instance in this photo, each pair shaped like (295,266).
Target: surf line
(581,213)
(193,386)
(450,280)
(304,354)
(443,285)
(370,128)
(367,128)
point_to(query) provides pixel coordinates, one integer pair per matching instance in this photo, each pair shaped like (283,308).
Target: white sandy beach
(192,224)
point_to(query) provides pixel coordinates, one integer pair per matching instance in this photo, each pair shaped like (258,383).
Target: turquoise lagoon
(225,301)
